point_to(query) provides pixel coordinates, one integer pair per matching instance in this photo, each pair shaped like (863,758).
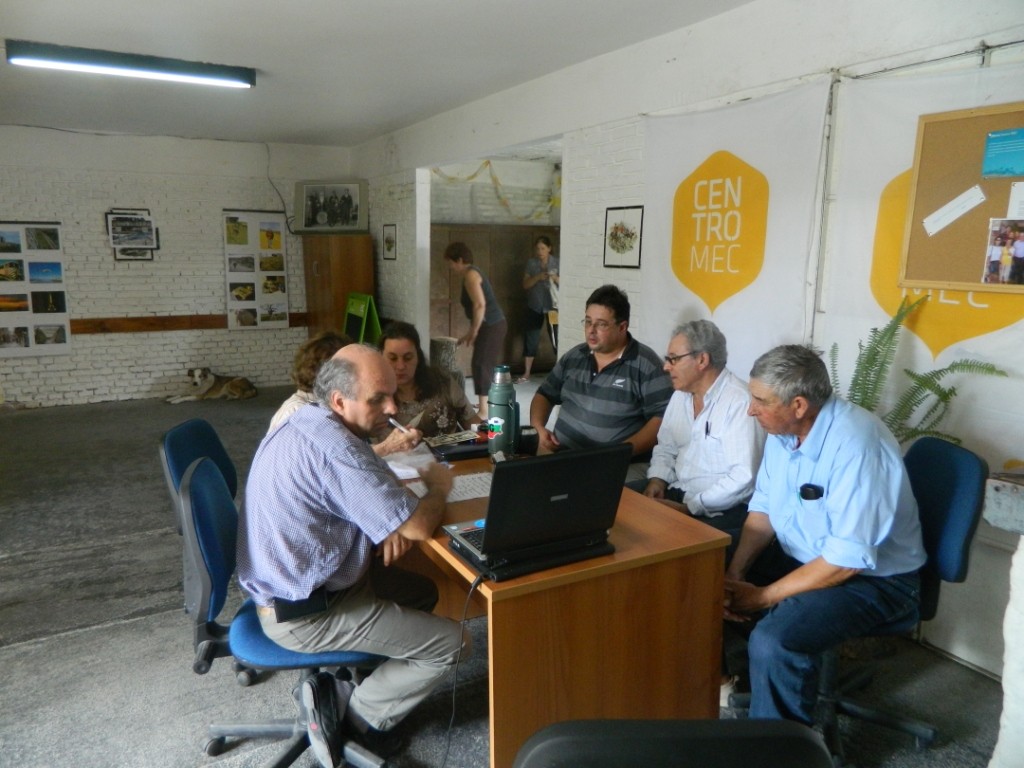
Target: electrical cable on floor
(455,674)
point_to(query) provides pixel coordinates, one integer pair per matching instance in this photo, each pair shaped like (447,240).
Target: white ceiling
(329,72)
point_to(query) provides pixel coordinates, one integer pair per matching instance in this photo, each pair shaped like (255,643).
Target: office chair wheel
(245,676)
(215,746)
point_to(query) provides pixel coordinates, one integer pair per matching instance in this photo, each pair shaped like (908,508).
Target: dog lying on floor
(207,385)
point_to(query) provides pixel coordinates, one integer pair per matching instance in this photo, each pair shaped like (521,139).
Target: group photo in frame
(331,207)
(623,232)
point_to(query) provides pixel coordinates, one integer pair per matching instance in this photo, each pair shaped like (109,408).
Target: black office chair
(674,744)
(210,524)
(949,485)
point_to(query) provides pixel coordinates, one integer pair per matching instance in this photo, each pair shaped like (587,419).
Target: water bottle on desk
(502,415)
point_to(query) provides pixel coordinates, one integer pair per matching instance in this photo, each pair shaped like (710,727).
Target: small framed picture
(389,242)
(623,230)
(131,230)
(133,254)
(331,207)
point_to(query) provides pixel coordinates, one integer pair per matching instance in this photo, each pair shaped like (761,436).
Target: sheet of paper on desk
(472,486)
(406,464)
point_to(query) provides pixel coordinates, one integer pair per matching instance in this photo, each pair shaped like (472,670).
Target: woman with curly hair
(308,359)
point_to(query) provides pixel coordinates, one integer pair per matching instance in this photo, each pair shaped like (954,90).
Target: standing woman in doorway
(487,324)
(540,281)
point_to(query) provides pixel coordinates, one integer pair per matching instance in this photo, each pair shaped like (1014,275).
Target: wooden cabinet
(335,266)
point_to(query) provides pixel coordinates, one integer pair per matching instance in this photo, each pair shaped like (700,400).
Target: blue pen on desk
(394,423)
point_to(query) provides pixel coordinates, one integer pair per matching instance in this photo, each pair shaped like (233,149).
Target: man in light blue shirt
(833,494)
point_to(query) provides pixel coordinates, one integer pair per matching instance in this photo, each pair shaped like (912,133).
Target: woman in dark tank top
(487,324)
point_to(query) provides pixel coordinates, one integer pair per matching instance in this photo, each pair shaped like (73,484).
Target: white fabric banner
(876,128)
(730,221)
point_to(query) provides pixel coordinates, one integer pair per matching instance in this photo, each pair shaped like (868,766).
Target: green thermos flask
(502,414)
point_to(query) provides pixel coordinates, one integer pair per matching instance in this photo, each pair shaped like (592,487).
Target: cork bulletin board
(968,182)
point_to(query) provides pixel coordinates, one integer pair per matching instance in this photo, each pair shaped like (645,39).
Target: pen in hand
(394,423)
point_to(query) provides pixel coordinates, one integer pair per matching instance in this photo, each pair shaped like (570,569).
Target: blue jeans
(785,646)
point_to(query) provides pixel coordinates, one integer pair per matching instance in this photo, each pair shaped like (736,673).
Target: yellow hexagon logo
(719,222)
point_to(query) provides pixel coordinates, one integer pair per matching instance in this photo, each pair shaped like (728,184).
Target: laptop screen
(561,496)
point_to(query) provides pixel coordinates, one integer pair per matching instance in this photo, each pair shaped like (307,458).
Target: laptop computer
(545,511)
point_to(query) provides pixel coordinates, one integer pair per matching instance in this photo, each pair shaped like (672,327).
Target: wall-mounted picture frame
(331,207)
(131,230)
(389,242)
(623,232)
(133,234)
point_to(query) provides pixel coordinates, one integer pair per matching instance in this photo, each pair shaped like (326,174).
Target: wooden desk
(634,634)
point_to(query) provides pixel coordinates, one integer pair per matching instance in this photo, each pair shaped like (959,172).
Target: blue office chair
(948,482)
(179,447)
(674,744)
(183,444)
(210,525)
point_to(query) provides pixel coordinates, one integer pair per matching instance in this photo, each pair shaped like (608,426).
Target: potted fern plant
(925,403)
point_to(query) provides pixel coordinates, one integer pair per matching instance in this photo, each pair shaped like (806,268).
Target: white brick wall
(393,201)
(602,167)
(186,277)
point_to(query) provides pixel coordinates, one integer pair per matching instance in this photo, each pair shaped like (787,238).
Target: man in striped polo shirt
(611,388)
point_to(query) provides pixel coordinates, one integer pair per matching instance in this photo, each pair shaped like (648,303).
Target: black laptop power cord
(455,674)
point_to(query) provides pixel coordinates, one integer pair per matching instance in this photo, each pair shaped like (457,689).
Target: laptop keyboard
(474,537)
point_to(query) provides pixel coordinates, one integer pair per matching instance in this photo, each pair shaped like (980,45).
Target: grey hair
(336,376)
(793,370)
(704,336)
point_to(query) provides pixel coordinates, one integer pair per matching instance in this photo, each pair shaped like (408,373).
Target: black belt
(289,610)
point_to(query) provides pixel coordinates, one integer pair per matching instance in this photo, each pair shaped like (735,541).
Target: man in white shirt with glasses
(709,449)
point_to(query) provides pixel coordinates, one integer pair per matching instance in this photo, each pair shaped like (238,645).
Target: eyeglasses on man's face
(673,359)
(598,325)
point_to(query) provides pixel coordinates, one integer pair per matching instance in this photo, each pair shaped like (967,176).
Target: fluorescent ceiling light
(70,59)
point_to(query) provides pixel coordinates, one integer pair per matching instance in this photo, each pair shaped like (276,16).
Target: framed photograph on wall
(131,230)
(331,207)
(623,230)
(389,242)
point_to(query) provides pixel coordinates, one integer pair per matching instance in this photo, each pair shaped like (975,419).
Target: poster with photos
(34,316)
(257,288)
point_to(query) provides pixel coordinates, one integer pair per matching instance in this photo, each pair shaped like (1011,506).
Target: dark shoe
(319,702)
(384,744)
